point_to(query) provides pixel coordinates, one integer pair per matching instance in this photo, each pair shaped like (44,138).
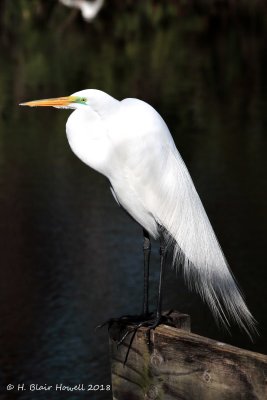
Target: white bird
(89,9)
(129,143)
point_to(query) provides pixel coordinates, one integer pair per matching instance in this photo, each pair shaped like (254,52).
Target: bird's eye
(83,100)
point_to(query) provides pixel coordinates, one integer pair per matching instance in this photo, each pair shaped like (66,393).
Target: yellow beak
(55,102)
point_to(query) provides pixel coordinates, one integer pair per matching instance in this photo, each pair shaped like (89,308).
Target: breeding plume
(129,143)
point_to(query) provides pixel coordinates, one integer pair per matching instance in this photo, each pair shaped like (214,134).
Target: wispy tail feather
(196,249)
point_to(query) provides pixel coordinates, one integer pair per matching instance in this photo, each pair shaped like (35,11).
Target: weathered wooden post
(178,365)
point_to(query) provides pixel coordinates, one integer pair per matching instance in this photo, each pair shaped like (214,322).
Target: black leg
(146,249)
(163,254)
(149,320)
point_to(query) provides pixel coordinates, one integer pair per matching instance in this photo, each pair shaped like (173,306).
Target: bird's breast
(88,139)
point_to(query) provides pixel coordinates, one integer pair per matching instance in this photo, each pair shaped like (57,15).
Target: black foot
(125,320)
(136,322)
(151,323)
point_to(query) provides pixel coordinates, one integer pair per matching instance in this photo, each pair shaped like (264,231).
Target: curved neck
(104,104)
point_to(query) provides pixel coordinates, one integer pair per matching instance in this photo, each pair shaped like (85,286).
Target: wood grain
(178,365)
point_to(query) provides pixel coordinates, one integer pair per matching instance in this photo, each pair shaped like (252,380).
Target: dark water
(70,258)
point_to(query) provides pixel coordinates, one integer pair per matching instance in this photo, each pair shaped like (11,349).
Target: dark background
(70,258)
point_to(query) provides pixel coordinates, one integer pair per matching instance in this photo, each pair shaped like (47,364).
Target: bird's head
(96,99)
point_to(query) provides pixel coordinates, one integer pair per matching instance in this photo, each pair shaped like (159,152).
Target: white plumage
(89,9)
(131,145)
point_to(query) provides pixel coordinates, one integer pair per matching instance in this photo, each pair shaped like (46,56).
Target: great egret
(131,145)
